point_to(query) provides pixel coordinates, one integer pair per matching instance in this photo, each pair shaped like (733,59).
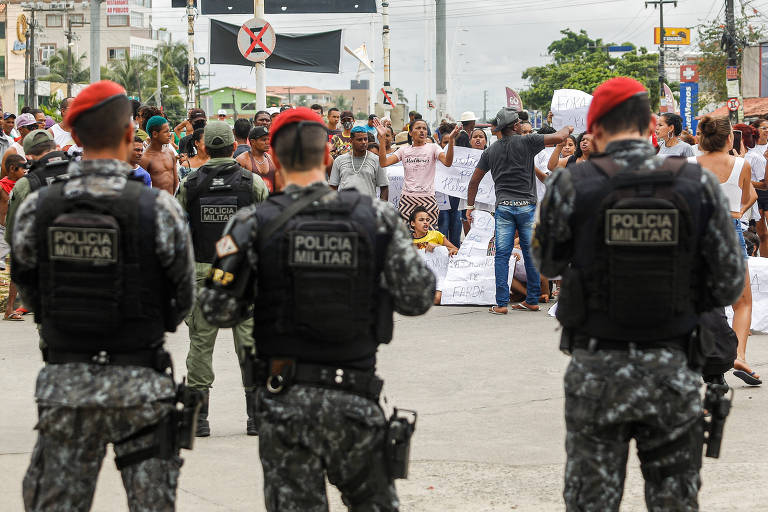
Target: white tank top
(60,136)
(731,188)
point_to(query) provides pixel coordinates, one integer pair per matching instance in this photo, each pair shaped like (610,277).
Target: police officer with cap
(644,245)
(46,164)
(106,265)
(211,195)
(325,270)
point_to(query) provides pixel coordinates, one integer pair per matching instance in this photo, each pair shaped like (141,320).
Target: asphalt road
(490,434)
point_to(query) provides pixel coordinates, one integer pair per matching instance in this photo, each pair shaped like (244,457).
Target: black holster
(718,405)
(188,402)
(397,447)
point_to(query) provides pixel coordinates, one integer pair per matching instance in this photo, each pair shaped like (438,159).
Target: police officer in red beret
(644,245)
(106,265)
(321,272)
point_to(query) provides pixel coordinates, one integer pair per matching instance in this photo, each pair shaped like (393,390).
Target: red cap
(95,95)
(294,115)
(609,95)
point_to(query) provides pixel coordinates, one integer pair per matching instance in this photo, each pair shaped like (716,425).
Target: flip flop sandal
(492,310)
(14,317)
(524,307)
(747,377)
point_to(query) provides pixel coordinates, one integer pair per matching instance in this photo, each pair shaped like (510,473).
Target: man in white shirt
(359,168)
(61,131)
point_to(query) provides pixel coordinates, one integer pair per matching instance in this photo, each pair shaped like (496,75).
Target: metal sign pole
(260,68)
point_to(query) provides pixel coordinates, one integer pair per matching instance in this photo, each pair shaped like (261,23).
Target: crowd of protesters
(520,161)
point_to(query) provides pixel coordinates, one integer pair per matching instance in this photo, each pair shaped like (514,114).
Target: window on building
(116,53)
(76,20)
(54,20)
(46,51)
(248,106)
(137,20)
(2,30)
(228,106)
(2,66)
(138,50)
(117,20)
(142,3)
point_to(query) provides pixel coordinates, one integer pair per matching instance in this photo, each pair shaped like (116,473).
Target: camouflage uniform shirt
(91,385)
(405,276)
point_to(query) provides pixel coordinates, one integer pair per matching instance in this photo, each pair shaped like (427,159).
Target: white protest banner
(758,278)
(570,108)
(471,278)
(396,176)
(437,261)
(454,180)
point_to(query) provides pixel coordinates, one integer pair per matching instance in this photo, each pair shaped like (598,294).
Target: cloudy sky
(490,42)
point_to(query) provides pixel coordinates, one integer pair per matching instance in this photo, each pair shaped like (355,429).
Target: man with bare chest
(258,161)
(159,159)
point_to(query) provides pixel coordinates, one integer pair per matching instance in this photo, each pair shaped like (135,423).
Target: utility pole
(158,96)
(95,52)
(69,56)
(27,60)
(733,56)
(32,82)
(191,78)
(260,68)
(485,105)
(441,87)
(662,73)
(385,41)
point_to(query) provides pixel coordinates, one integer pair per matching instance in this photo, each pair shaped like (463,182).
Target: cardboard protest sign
(570,108)
(396,177)
(454,180)
(758,278)
(471,278)
(437,261)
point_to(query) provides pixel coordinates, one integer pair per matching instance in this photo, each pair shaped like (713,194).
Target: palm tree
(57,64)
(129,72)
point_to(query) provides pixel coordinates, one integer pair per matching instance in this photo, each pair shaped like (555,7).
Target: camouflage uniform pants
(202,339)
(612,396)
(308,433)
(71,445)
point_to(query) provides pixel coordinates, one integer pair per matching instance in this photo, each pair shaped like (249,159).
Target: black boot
(250,407)
(203,429)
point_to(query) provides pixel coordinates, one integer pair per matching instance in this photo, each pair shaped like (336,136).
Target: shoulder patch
(226,246)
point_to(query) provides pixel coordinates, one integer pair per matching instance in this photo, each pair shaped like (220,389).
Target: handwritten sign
(471,278)
(396,176)
(758,278)
(570,108)
(437,261)
(454,180)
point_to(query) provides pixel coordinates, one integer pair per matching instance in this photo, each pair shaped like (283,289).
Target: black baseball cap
(258,132)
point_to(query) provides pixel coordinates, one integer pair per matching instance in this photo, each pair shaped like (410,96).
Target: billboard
(689,105)
(673,35)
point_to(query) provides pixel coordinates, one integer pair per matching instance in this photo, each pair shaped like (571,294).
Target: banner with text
(454,180)
(569,108)
(758,278)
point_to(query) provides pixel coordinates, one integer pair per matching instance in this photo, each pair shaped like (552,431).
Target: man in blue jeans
(510,161)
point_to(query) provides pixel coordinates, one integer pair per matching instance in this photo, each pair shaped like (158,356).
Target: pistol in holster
(188,402)
(718,405)
(397,447)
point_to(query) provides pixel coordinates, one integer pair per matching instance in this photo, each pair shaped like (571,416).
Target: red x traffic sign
(256,40)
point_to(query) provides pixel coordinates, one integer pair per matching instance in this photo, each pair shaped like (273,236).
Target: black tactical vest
(635,262)
(101,285)
(318,297)
(214,194)
(44,171)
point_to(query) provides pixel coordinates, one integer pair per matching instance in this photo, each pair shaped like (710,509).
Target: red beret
(610,94)
(95,95)
(294,115)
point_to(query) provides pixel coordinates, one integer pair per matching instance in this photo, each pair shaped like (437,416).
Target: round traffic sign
(733,104)
(256,40)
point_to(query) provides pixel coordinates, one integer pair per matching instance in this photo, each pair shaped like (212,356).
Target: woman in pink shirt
(419,165)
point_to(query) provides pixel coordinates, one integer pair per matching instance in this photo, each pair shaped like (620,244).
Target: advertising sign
(689,101)
(673,35)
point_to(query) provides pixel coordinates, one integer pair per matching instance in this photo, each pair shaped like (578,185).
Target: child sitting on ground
(428,239)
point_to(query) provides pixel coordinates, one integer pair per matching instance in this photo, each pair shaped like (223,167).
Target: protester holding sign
(511,164)
(419,163)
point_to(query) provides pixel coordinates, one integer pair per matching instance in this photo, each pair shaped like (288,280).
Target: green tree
(57,64)
(130,72)
(302,101)
(714,58)
(342,103)
(401,95)
(583,63)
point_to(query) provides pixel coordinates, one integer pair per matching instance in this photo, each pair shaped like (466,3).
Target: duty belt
(282,373)
(595,344)
(516,202)
(157,359)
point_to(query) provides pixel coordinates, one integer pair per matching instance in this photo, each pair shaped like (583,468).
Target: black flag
(283,6)
(316,53)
